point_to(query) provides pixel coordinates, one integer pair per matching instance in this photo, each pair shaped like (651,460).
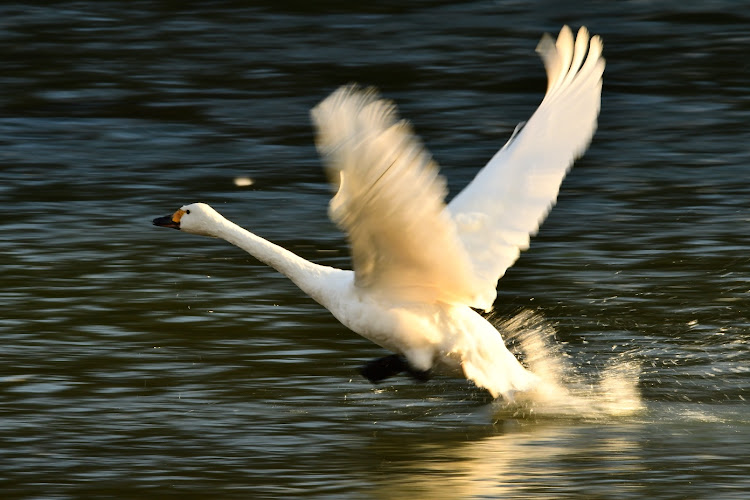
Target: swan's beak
(172,221)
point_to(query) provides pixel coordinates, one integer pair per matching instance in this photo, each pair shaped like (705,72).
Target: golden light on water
(243,181)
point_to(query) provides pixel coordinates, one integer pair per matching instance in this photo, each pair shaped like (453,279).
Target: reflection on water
(137,364)
(562,458)
(547,455)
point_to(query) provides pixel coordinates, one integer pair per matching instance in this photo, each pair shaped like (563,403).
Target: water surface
(149,363)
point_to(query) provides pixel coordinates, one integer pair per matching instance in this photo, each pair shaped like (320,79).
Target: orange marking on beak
(177,216)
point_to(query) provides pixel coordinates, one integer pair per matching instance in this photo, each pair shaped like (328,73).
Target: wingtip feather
(566,58)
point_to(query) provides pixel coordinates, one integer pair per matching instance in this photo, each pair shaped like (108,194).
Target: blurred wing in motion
(390,201)
(510,197)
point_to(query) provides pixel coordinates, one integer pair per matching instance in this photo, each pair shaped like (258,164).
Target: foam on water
(566,391)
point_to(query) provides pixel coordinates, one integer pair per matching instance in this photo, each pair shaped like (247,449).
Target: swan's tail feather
(503,379)
(488,363)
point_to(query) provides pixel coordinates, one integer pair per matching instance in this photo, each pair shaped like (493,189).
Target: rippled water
(143,362)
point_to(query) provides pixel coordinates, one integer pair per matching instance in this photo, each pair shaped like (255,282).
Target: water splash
(565,391)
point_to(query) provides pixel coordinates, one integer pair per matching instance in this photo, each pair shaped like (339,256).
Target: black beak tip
(166,222)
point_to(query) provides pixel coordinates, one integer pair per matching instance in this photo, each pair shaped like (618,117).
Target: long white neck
(311,278)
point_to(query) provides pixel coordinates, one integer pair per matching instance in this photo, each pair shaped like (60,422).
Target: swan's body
(421,266)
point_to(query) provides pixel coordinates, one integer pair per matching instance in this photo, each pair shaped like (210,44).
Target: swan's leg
(420,375)
(380,369)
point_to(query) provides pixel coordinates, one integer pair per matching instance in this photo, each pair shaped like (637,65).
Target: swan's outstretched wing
(390,201)
(510,197)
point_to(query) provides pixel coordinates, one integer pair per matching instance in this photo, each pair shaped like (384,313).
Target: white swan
(421,266)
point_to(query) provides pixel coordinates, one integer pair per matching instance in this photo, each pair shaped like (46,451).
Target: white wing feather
(390,198)
(390,201)
(510,197)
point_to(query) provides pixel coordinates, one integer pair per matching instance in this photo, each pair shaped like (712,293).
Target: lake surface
(143,363)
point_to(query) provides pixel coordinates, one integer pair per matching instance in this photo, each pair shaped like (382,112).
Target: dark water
(139,362)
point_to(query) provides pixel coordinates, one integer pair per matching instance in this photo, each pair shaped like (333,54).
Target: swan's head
(196,218)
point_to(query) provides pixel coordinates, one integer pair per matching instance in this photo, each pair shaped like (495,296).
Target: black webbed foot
(419,375)
(380,369)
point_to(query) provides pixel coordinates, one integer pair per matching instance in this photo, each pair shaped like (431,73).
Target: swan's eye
(187,212)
